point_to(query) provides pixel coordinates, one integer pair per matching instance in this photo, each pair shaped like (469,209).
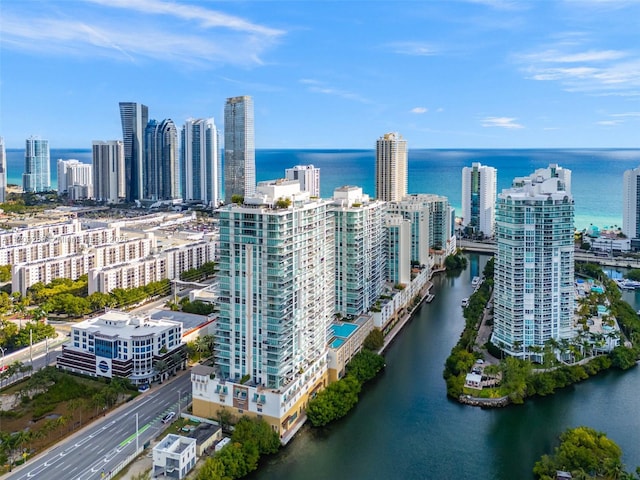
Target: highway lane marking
(130,438)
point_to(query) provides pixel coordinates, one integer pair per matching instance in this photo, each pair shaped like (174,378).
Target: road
(96,450)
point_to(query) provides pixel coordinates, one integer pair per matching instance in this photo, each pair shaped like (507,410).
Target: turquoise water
(596,173)
(343,330)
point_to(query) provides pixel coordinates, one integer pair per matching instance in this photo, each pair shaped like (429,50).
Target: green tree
(374,341)
(582,449)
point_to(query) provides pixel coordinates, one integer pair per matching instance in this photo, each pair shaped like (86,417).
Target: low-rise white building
(174,457)
(120,344)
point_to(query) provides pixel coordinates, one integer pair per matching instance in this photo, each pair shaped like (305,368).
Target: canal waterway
(405,427)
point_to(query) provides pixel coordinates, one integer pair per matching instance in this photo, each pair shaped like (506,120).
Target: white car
(168,417)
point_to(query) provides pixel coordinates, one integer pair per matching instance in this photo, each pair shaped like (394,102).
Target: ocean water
(596,173)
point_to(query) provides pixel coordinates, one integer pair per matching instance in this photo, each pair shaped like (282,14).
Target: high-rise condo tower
(239,148)
(134,118)
(3,172)
(479,184)
(534,266)
(391,167)
(109,171)
(36,176)
(200,162)
(160,174)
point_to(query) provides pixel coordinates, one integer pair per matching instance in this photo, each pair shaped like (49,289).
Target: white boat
(465,302)
(475,281)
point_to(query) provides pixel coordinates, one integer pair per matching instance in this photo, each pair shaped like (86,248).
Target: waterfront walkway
(425,293)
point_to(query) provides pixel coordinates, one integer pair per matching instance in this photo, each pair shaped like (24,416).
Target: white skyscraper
(631,203)
(109,173)
(534,265)
(200,162)
(391,167)
(3,172)
(73,173)
(479,190)
(308,176)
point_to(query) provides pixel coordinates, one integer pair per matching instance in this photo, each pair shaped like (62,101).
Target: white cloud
(419,110)
(609,123)
(205,17)
(628,114)
(502,122)
(316,86)
(593,71)
(192,35)
(419,49)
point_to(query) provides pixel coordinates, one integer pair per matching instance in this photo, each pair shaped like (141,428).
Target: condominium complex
(3,172)
(276,300)
(36,176)
(109,258)
(200,162)
(239,148)
(432,226)
(75,179)
(120,344)
(308,176)
(161,175)
(631,206)
(359,250)
(479,190)
(391,167)
(534,265)
(134,118)
(109,172)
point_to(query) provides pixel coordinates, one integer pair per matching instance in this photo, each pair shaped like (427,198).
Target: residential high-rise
(308,176)
(75,179)
(276,300)
(631,205)
(534,265)
(3,172)
(276,280)
(36,176)
(239,148)
(161,175)
(432,226)
(200,162)
(359,250)
(391,167)
(134,118)
(398,249)
(479,190)
(109,172)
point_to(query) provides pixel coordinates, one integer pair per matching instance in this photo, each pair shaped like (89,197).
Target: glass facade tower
(200,162)
(36,176)
(239,148)
(134,118)
(276,285)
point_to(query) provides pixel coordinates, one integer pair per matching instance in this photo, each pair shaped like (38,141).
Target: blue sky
(328,74)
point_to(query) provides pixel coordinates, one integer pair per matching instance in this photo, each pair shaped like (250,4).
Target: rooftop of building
(175,443)
(189,321)
(121,324)
(204,432)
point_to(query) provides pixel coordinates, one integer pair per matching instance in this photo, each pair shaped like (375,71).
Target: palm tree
(160,367)
(176,359)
